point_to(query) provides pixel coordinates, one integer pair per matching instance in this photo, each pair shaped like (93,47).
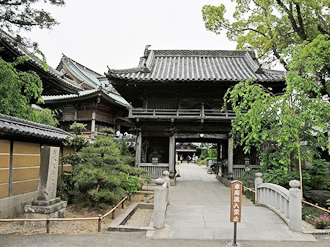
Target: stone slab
(49,160)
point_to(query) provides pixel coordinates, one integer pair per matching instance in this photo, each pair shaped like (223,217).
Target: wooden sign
(236,201)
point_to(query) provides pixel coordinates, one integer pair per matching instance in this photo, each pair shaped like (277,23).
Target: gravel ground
(141,217)
(68,227)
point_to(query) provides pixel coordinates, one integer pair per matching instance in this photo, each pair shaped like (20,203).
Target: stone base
(46,203)
(173,181)
(225,181)
(55,210)
(232,245)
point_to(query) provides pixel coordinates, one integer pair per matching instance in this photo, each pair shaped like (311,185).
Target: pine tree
(102,173)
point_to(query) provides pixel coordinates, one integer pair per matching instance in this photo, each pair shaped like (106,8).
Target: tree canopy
(18,89)
(270,26)
(24,14)
(292,127)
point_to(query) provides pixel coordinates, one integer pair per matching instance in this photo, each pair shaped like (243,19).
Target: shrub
(311,212)
(102,174)
(132,184)
(147,179)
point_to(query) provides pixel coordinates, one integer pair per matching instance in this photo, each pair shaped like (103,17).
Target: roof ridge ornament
(146,49)
(145,57)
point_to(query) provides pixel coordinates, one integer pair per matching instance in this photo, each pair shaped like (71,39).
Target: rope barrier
(99,218)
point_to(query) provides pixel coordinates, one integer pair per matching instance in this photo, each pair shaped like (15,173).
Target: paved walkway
(199,209)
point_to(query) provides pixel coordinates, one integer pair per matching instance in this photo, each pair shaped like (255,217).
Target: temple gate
(177,96)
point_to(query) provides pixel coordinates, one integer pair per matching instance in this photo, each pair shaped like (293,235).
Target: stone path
(199,209)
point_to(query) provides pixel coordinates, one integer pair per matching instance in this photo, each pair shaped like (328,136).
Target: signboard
(236,201)
(154,161)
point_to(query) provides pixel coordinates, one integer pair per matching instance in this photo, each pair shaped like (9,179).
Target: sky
(114,33)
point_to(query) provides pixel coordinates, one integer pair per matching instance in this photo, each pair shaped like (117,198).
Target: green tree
(270,26)
(293,125)
(18,90)
(102,173)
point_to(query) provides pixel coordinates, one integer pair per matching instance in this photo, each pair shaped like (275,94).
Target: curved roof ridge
(75,62)
(199,53)
(114,96)
(67,61)
(251,62)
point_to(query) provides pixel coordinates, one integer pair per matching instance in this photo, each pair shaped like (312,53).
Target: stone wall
(14,205)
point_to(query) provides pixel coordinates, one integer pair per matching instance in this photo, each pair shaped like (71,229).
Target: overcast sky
(114,32)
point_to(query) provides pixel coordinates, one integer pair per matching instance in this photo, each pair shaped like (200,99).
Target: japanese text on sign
(236,197)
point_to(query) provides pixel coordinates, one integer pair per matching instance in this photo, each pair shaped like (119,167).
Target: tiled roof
(21,50)
(21,127)
(114,97)
(79,71)
(197,65)
(92,78)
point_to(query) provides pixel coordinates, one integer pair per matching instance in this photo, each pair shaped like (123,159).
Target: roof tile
(197,65)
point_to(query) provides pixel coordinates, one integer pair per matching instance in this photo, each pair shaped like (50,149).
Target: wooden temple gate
(177,95)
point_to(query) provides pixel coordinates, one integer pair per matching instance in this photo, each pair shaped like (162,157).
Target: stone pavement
(136,239)
(200,207)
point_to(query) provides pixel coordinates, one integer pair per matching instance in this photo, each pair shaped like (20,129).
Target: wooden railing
(316,206)
(98,218)
(180,113)
(239,169)
(154,170)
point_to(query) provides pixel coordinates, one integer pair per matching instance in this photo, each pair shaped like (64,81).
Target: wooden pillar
(230,158)
(171,154)
(93,122)
(138,149)
(75,113)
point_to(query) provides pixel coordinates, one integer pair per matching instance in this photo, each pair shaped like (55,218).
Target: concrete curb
(119,223)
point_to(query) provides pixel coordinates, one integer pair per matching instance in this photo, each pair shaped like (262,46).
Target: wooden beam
(138,149)
(200,135)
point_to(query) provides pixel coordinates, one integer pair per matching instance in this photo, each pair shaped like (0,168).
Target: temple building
(98,105)
(75,91)
(177,96)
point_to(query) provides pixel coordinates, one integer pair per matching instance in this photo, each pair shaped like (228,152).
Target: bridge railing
(286,203)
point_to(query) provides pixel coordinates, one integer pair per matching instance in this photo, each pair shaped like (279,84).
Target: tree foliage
(293,126)
(270,26)
(18,89)
(102,172)
(25,15)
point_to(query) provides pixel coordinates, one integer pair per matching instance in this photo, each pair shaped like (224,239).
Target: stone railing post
(295,217)
(166,177)
(258,180)
(160,203)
